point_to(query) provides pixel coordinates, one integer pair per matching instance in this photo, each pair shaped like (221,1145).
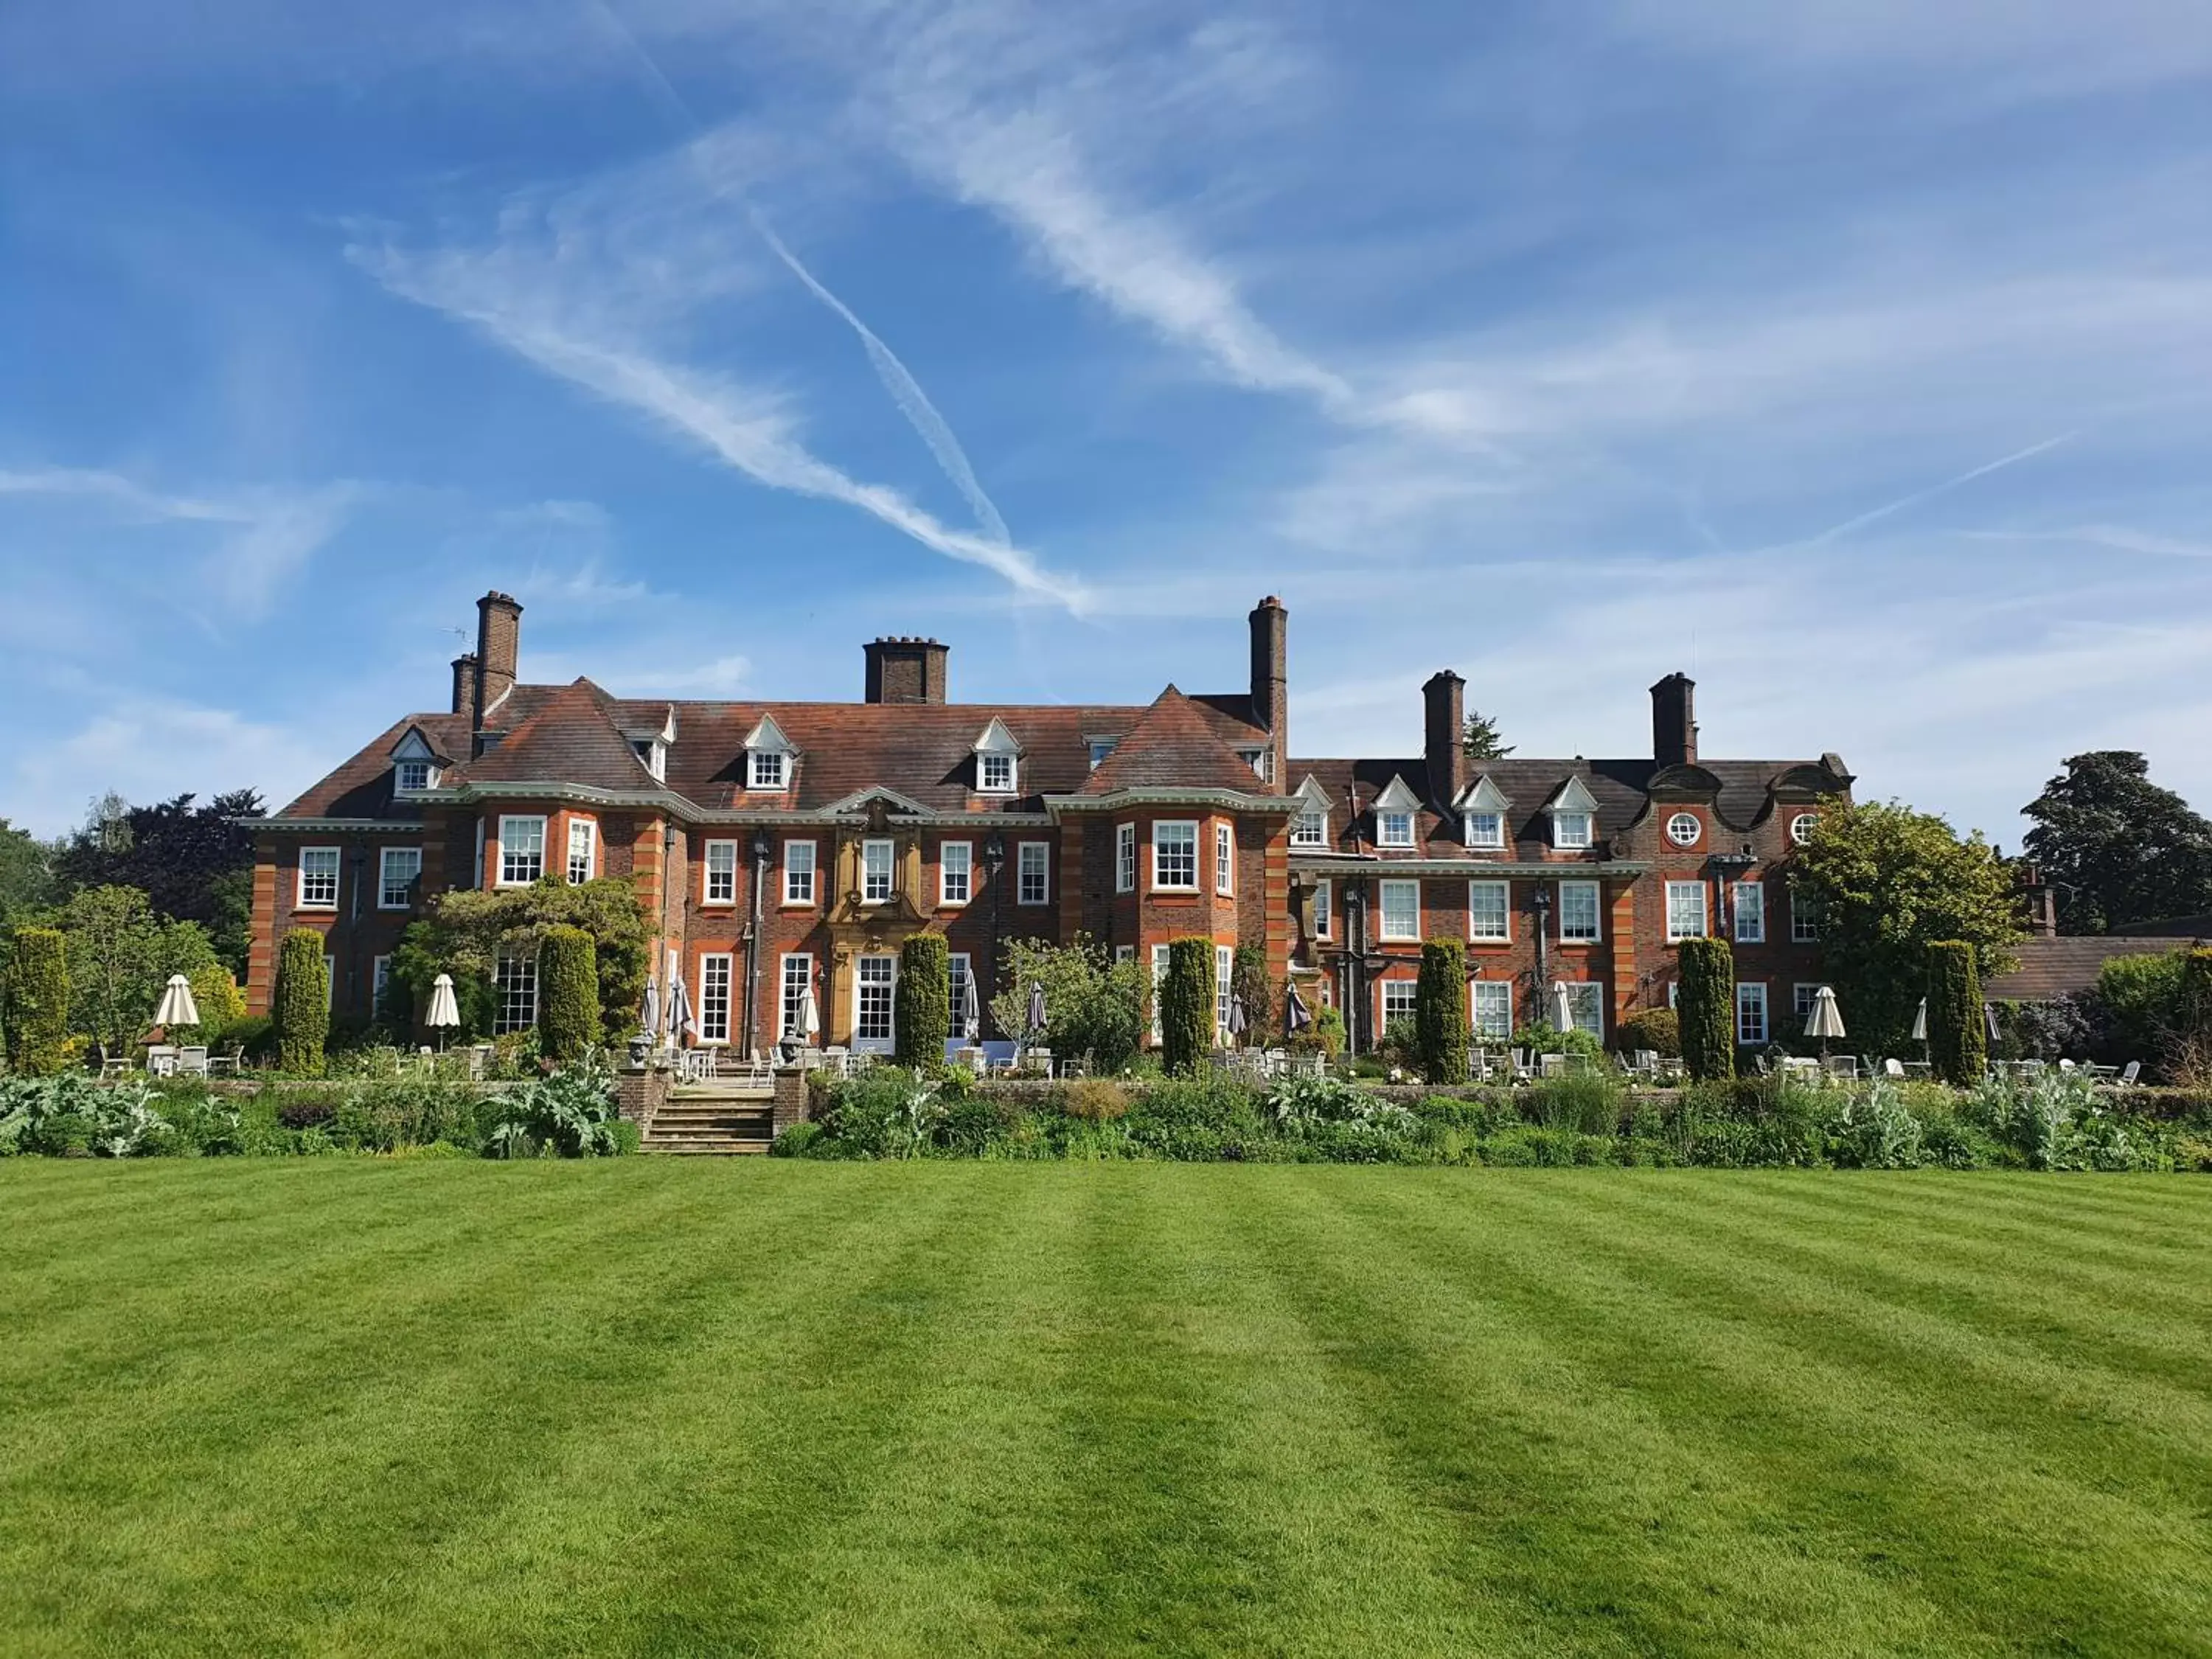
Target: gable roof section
(1483,795)
(573,739)
(1398,797)
(1172,745)
(2053,967)
(1572,796)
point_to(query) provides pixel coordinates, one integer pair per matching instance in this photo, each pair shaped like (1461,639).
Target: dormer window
(413,762)
(1574,816)
(1482,808)
(1310,829)
(1100,747)
(998,759)
(653,755)
(767,756)
(1570,829)
(1394,829)
(415,775)
(1261,761)
(1483,828)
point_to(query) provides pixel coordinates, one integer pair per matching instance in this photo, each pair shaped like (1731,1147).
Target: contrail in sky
(1919,495)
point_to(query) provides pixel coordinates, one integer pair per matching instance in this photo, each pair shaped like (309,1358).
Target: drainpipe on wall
(353,922)
(752,946)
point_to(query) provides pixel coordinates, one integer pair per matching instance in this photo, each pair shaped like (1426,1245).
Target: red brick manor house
(777,845)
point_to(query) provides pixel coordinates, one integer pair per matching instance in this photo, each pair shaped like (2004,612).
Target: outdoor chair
(161,1059)
(114,1065)
(1071,1069)
(2133,1071)
(1843,1067)
(2066,1066)
(1553,1064)
(192,1062)
(1893,1069)
(836,1058)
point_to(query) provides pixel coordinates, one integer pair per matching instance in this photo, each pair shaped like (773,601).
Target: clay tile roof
(2053,967)
(572,738)
(1172,745)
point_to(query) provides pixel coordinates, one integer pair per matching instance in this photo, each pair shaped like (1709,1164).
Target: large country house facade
(780,846)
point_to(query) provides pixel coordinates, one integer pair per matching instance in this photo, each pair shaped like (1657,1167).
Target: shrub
(1545,1038)
(922,1002)
(221,1004)
(301,1009)
(1095,1100)
(1197,1120)
(2137,1002)
(254,1036)
(1096,1006)
(1440,1011)
(1187,1006)
(1588,1102)
(1706,1007)
(1324,1037)
(1958,1042)
(568,994)
(1659,1030)
(885,1112)
(1876,1130)
(796,1141)
(571,1113)
(37,1001)
(70,1115)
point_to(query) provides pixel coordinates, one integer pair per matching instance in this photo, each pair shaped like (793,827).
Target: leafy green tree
(568,1020)
(194,863)
(121,956)
(1706,1008)
(922,1002)
(1097,1006)
(2117,848)
(220,1002)
(1441,1025)
(1187,1006)
(25,874)
(35,996)
(1482,740)
(301,1005)
(1888,883)
(1958,1039)
(468,931)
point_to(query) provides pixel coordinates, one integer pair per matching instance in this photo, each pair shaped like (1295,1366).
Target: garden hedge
(568,993)
(1187,1006)
(301,1009)
(1705,1006)
(1957,1040)
(1659,1030)
(922,1002)
(38,1001)
(1441,1025)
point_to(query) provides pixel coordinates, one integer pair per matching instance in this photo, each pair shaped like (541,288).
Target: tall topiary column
(38,1001)
(1705,1005)
(300,1011)
(1187,1006)
(1441,1025)
(568,994)
(922,1002)
(1957,1040)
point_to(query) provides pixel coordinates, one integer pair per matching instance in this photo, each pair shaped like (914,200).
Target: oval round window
(1801,827)
(1682,830)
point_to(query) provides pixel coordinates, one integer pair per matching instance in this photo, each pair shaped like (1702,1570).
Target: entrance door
(871,1004)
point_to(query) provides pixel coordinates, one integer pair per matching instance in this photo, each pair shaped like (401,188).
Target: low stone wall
(641,1092)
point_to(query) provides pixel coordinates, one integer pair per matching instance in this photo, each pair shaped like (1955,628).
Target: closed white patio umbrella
(1920,1023)
(1825,1020)
(810,1016)
(680,1022)
(1563,1010)
(177,1007)
(444,1013)
(648,1019)
(971,1010)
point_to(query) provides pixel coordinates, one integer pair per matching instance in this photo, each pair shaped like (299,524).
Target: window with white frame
(875,982)
(994,773)
(1686,910)
(875,871)
(1261,761)
(1586,1006)
(956,871)
(1398,999)
(1801,998)
(1175,856)
(583,851)
(1401,910)
(399,870)
(415,775)
(1225,967)
(771,769)
(1494,1010)
(799,872)
(1802,826)
(1125,953)
(1394,829)
(318,878)
(652,754)
(1570,830)
(1683,828)
(1125,858)
(961,970)
(791,1004)
(1100,747)
(1747,900)
(515,994)
(379,981)
(1750,1013)
(714,998)
(521,851)
(1224,858)
(1579,913)
(721,879)
(1033,872)
(1324,894)
(1804,919)
(1483,828)
(1159,979)
(1309,828)
(1489,912)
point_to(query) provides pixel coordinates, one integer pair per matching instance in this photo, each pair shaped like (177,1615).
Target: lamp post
(994,855)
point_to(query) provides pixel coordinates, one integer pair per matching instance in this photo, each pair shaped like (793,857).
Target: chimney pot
(1673,722)
(464,686)
(905,668)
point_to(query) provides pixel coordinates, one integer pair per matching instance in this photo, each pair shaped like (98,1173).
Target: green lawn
(663,1406)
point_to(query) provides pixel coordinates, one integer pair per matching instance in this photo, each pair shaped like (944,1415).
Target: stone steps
(695,1124)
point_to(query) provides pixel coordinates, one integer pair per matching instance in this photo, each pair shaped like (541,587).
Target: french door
(873,978)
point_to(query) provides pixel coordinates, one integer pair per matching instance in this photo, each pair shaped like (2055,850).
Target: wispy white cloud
(2119,538)
(151,747)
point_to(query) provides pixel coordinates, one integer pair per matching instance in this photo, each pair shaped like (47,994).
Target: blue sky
(1854,357)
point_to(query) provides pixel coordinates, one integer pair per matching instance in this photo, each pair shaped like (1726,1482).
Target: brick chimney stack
(906,669)
(1271,680)
(1674,721)
(1445,734)
(464,686)
(2040,900)
(499,641)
